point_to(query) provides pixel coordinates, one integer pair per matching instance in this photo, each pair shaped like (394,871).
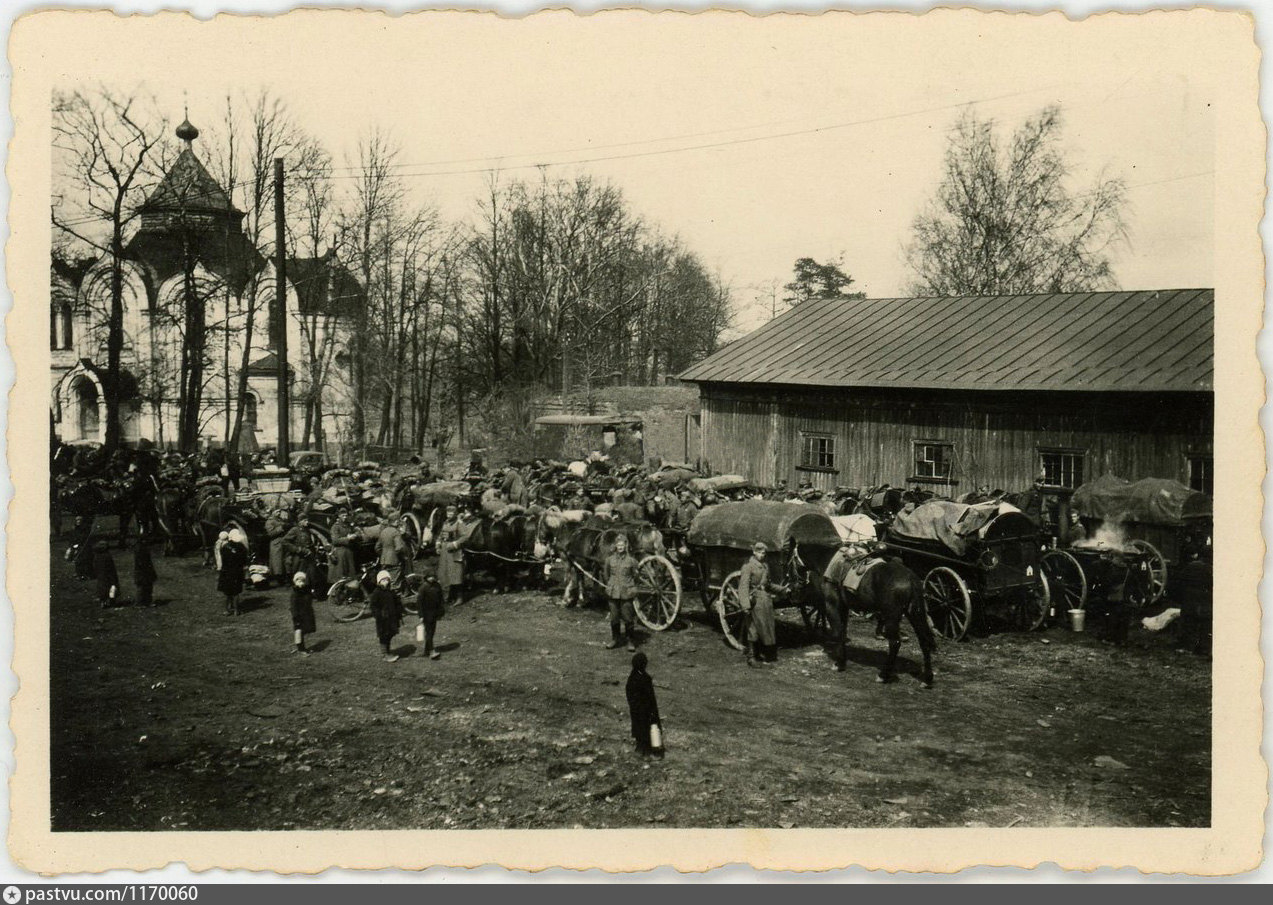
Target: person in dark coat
(386,608)
(104,574)
(84,544)
(302,606)
(643,706)
(144,573)
(1193,589)
(756,599)
(619,575)
(298,551)
(432,608)
(234,563)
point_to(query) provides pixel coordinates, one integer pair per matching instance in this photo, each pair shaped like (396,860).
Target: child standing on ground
(647,729)
(429,603)
(302,611)
(387,610)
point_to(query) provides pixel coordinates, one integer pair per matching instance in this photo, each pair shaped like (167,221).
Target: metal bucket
(1078,618)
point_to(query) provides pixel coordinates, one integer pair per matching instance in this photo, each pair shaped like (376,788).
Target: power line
(649,141)
(697,147)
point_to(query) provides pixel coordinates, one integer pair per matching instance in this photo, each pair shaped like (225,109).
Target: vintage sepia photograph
(632,422)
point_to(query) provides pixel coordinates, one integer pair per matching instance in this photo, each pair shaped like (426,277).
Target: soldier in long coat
(343,563)
(451,555)
(754,597)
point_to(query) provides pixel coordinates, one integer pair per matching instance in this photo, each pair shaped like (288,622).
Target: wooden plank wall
(756,432)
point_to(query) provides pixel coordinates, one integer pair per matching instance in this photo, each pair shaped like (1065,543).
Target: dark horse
(507,545)
(890,591)
(100,496)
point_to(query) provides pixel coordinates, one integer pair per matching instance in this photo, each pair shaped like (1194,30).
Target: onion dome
(187,132)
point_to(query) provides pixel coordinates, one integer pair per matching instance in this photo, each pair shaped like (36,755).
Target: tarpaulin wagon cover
(739,525)
(953,524)
(1151,501)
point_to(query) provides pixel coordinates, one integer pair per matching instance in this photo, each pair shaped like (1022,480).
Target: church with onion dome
(190,269)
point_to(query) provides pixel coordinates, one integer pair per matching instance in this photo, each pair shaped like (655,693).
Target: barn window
(933,461)
(817,451)
(1062,468)
(1200,469)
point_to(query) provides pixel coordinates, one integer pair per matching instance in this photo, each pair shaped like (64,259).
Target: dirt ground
(177,717)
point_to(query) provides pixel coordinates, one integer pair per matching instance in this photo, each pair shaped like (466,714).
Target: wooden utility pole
(280,312)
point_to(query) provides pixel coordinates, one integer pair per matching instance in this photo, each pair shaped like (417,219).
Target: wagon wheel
(729,611)
(1031,604)
(947,603)
(1155,564)
(348,600)
(412,552)
(658,597)
(1066,580)
(408,590)
(322,550)
(409,525)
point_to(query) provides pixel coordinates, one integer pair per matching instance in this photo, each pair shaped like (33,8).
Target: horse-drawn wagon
(589,543)
(801,540)
(973,557)
(1132,534)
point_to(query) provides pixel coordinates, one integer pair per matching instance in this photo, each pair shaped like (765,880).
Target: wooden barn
(955,394)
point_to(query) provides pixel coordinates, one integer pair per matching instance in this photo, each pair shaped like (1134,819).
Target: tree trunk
(115,336)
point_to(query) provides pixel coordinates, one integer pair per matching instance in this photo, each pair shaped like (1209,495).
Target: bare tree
(106,144)
(1003,220)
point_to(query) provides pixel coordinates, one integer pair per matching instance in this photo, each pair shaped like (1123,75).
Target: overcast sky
(757,141)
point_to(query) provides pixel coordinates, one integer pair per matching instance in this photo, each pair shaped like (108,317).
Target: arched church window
(87,402)
(66,319)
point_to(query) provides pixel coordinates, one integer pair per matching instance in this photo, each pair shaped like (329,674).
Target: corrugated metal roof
(1130,341)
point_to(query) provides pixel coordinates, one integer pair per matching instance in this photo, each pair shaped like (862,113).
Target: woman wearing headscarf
(643,707)
(343,563)
(302,606)
(275,529)
(234,563)
(386,608)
